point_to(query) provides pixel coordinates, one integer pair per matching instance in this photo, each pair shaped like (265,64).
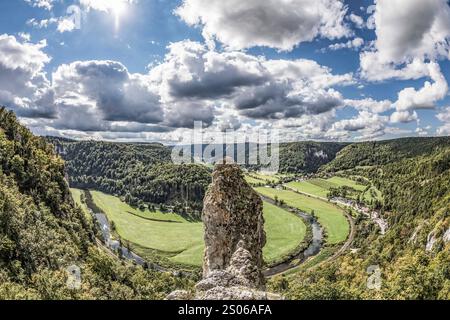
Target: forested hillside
(384,152)
(137,172)
(414,255)
(144,172)
(307,157)
(42,233)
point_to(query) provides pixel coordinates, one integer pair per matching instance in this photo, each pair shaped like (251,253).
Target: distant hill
(308,156)
(384,152)
(136,171)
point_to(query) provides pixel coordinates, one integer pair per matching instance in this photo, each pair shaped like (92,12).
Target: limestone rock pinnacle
(234,239)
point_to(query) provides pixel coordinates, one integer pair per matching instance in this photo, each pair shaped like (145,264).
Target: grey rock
(234,238)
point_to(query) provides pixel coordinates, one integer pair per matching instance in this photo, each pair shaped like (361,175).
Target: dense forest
(137,172)
(307,157)
(42,233)
(144,173)
(384,152)
(414,254)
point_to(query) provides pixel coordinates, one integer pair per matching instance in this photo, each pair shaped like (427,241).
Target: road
(285,266)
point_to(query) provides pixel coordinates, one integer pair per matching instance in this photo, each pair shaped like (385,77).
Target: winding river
(313,248)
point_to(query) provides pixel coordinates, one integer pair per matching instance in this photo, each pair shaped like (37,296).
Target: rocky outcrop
(234,238)
(234,227)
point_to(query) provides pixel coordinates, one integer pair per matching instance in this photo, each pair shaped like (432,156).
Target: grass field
(320,187)
(181,241)
(339,181)
(253,180)
(259,177)
(330,217)
(308,187)
(284,232)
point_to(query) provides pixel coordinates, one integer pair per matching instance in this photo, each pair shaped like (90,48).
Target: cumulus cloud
(409,29)
(256,87)
(190,70)
(23,83)
(444,116)
(107,88)
(351,44)
(426,97)
(357,20)
(403,116)
(374,70)
(412,35)
(65,25)
(194,83)
(367,124)
(408,33)
(370,105)
(45,4)
(280,24)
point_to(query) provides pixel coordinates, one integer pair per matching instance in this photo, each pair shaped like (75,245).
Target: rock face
(234,238)
(234,227)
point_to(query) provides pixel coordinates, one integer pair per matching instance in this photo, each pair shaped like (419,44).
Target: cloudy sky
(146,70)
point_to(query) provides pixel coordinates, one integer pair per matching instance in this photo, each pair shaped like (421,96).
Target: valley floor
(170,238)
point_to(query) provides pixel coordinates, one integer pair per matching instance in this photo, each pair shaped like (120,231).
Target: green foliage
(137,172)
(384,152)
(331,217)
(307,157)
(413,176)
(173,241)
(42,231)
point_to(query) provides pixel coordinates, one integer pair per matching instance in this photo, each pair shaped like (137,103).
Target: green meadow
(181,241)
(330,216)
(320,187)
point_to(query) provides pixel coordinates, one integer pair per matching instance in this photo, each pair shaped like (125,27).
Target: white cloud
(40,24)
(423,131)
(105,90)
(367,124)
(370,105)
(403,116)
(223,89)
(23,84)
(280,24)
(408,32)
(444,116)
(104,5)
(426,97)
(45,4)
(412,35)
(357,20)
(408,29)
(24,36)
(351,44)
(65,25)
(373,69)
(256,87)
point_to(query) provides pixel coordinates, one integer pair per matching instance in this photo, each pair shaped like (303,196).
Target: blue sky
(147,69)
